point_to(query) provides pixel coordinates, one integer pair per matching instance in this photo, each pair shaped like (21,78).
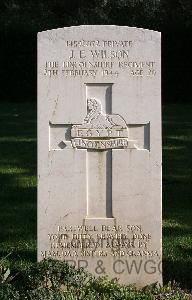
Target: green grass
(18,188)
(177,193)
(18,182)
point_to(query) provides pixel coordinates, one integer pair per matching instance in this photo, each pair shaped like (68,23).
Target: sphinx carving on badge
(95,118)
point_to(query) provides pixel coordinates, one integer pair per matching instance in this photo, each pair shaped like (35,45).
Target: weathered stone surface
(99,150)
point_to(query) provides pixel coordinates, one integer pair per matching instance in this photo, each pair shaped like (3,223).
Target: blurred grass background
(18,188)
(18,182)
(177,193)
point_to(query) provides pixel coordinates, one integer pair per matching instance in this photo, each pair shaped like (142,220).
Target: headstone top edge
(97,26)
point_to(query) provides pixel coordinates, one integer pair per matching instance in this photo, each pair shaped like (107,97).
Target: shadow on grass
(179,270)
(177,194)
(18,181)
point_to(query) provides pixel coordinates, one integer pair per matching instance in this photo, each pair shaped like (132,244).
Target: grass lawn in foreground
(18,182)
(18,165)
(177,193)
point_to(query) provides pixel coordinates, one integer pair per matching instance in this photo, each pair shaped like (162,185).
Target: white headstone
(99,150)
